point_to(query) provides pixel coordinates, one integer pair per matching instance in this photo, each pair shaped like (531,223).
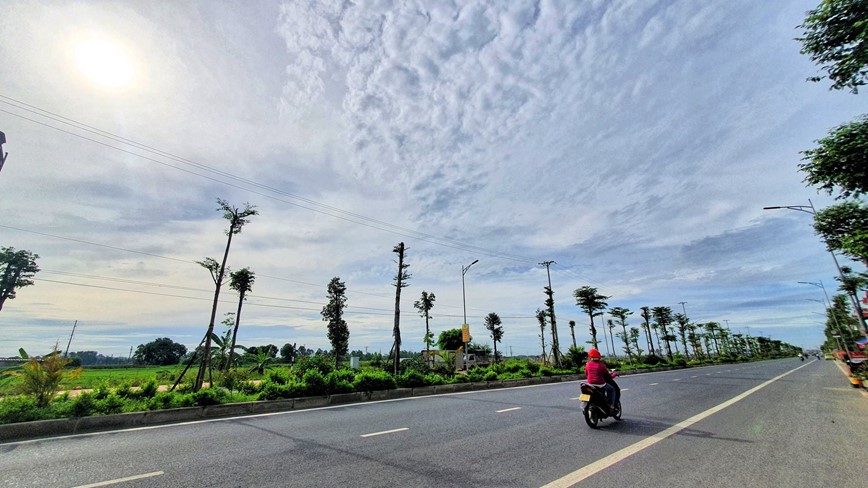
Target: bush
(279,376)
(340,381)
(274,391)
(148,389)
(113,403)
(234,378)
(434,379)
(321,363)
(314,383)
(489,376)
(208,396)
(83,405)
(21,409)
(369,381)
(653,360)
(410,379)
(546,371)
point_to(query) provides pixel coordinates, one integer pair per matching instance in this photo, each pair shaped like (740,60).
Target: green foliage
(274,391)
(340,381)
(208,396)
(410,379)
(21,409)
(836,38)
(314,383)
(369,381)
(17,269)
(279,376)
(41,378)
(450,340)
(160,352)
(233,379)
(332,312)
(321,363)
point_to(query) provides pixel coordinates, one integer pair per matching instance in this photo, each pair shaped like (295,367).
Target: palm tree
(852,283)
(493,324)
(683,322)
(424,306)
(712,328)
(541,318)
(590,302)
(646,316)
(663,317)
(242,282)
(621,314)
(237,219)
(573,331)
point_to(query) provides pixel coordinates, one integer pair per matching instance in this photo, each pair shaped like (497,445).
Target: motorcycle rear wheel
(617,413)
(591,416)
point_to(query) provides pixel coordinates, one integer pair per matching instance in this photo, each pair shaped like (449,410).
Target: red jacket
(597,373)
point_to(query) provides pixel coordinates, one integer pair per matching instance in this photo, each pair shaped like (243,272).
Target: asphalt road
(775,423)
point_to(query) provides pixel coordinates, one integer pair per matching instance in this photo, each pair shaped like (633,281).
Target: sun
(105,63)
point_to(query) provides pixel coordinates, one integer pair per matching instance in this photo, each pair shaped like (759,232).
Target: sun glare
(105,63)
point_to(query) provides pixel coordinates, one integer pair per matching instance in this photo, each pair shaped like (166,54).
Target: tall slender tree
(19,267)
(423,306)
(621,315)
(682,321)
(400,282)
(237,218)
(590,302)
(541,318)
(573,332)
(712,329)
(663,317)
(493,324)
(333,313)
(646,317)
(242,282)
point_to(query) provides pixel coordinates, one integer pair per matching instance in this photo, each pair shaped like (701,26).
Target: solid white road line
(121,480)
(508,409)
(385,432)
(601,464)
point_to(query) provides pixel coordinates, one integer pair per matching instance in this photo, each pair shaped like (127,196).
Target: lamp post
(2,154)
(819,284)
(464,303)
(809,209)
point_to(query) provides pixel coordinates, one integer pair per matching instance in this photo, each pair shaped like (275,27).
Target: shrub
(314,383)
(279,376)
(41,378)
(546,371)
(489,376)
(124,391)
(208,396)
(653,360)
(340,381)
(274,391)
(113,403)
(234,378)
(148,389)
(321,363)
(21,409)
(83,405)
(411,379)
(434,379)
(369,381)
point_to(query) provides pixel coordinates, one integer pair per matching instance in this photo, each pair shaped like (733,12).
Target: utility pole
(70,339)
(2,154)
(551,303)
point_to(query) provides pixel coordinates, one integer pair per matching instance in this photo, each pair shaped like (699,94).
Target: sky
(632,143)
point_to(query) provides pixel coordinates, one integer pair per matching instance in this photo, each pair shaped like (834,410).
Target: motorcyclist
(598,375)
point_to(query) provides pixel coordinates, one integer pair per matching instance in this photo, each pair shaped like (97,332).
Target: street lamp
(830,310)
(464,303)
(2,154)
(809,209)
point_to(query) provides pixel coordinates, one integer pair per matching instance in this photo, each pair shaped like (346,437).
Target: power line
(321,207)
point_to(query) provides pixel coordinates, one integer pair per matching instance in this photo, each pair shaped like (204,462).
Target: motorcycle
(595,406)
